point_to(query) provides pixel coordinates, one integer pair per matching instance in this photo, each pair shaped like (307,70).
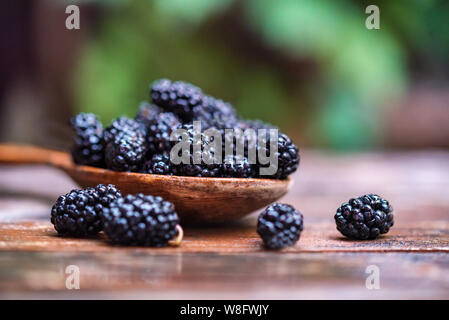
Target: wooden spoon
(197,200)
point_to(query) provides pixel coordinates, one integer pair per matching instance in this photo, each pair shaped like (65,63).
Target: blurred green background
(311,67)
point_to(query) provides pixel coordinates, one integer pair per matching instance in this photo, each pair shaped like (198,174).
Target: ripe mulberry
(365,217)
(147,112)
(200,158)
(78,213)
(160,164)
(121,126)
(287,156)
(141,220)
(126,152)
(158,132)
(178,97)
(88,146)
(237,167)
(280,225)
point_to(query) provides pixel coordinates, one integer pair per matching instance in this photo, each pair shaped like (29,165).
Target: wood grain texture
(319,237)
(229,262)
(197,200)
(150,275)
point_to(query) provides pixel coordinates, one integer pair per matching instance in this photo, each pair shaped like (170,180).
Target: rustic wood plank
(229,261)
(431,236)
(151,275)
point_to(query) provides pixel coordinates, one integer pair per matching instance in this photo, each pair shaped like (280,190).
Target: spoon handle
(26,154)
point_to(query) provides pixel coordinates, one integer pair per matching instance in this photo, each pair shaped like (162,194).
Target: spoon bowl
(197,200)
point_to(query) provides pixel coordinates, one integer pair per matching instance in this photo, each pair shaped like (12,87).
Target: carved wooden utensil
(197,200)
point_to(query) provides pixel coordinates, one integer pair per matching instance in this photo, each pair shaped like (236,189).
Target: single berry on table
(280,225)
(365,217)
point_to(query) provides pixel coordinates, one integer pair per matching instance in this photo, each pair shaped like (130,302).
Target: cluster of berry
(143,144)
(151,221)
(127,220)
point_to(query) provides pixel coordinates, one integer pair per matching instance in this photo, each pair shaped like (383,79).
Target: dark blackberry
(215,113)
(235,141)
(255,124)
(122,125)
(279,226)
(78,213)
(88,146)
(126,152)
(225,126)
(178,97)
(365,217)
(141,220)
(147,112)
(107,193)
(159,164)
(202,159)
(214,105)
(200,170)
(237,167)
(215,120)
(239,141)
(159,130)
(287,155)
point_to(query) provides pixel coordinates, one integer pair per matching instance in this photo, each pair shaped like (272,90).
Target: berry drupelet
(126,152)
(279,226)
(78,213)
(88,146)
(255,124)
(237,167)
(159,130)
(147,112)
(215,113)
(287,155)
(141,220)
(178,97)
(159,164)
(214,106)
(129,144)
(123,125)
(365,217)
(202,159)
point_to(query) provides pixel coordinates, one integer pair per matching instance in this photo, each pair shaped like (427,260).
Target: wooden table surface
(229,261)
